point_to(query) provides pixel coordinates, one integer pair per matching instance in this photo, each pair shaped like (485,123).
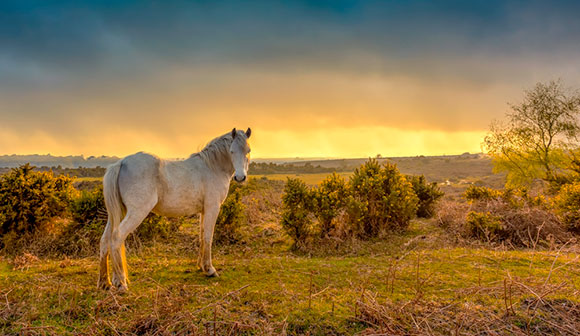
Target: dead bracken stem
(310,291)
(417,280)
(507,312)
(510,297)
(214,319)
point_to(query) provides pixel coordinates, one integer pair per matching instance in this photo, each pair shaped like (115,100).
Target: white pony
(143,183)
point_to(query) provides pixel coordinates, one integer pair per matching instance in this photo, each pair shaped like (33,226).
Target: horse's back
(139,177)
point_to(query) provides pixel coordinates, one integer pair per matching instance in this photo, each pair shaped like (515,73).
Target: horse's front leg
(208,223)
(201,244)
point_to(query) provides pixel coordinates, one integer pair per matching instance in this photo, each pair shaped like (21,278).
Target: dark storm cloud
(95,37)
(68,66)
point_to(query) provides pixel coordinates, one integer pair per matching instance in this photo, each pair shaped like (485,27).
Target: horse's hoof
(104,285)
(212,273)
(122,289)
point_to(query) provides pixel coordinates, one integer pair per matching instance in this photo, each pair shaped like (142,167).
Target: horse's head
(240,152)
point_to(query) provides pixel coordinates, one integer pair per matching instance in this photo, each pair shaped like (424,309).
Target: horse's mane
(216,153)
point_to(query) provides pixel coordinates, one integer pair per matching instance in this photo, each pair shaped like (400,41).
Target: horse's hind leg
(132,219)
(104,281)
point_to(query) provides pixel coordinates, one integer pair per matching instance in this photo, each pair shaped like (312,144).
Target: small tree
(535,141)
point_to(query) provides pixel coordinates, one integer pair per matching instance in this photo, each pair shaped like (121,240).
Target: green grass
(264,287)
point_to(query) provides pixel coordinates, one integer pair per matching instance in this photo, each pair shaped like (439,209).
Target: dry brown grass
(531,306)
(523,226)
(531,316)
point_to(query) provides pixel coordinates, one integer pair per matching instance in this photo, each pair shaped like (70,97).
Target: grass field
(88,179)
(307,178)
(264,288)
(422,281)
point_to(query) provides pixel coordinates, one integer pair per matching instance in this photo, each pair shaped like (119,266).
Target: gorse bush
(88,213)
(376,199)
(296,208)
(567,204)
(29,199)
(483,225)
(155,226)
(231,217)
(516,197)
(387,198)
(475,193)
(329,200)
(89,207)
(427,193)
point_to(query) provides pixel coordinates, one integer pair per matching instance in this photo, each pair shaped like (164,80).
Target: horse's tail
(113,201)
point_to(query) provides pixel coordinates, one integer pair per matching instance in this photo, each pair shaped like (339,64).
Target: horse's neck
(225,167)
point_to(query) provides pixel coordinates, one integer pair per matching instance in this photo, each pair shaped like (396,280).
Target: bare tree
(538,136)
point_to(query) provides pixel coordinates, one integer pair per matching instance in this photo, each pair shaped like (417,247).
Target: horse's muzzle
(241,179)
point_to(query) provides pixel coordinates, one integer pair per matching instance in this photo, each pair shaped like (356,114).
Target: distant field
(307,178)
(88,179)
(453,173)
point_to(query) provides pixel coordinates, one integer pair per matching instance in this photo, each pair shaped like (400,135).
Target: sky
(330,78)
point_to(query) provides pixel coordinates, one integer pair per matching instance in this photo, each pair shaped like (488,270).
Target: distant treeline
(58,170)
(71,161)
(264,168)
(77,172)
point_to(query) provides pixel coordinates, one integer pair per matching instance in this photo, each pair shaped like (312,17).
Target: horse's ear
(234,133)
(248,132)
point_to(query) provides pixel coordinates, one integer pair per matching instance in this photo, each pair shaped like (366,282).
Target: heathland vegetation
(393,246)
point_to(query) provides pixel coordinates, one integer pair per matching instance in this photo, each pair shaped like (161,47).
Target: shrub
(516,197)
(567,204)
(29,198)
(89,207)
(155,226)
(475,193)
(329,200)
(89,216)
(483,225)
(296,206)
(385,196)
(500,222)
(231,217)
(427,193)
